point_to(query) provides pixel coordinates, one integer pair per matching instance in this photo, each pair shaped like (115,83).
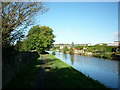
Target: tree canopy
(39,38)
(16,16)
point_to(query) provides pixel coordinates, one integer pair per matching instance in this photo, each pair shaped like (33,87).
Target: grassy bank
(61,75)
(103,55)
(57,75)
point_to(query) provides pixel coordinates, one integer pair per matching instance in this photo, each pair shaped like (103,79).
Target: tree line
(16,17)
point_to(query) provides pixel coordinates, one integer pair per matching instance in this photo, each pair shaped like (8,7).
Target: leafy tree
(39,39)
(71,51)
(56,48)
(18,45)
(65,49)
(79,47)
(16,16)
(72,44)
(53,53)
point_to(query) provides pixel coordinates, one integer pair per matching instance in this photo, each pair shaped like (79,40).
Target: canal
(103,70)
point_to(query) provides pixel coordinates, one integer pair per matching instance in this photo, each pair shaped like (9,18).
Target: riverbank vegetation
(57,74)
(21,68)
(101,51)
(61,75)
(39,38)
(16,17)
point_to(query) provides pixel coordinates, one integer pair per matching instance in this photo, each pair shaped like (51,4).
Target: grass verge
(57,75)
(61,75)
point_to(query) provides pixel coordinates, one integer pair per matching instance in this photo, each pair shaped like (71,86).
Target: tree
(39,39)
(72,44)
(65,49)
(79,47)
(18,45)
(16,16)
(71,51)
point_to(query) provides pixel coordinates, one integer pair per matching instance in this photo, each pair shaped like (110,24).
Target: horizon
(89,43)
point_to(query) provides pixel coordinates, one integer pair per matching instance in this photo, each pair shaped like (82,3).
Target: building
(91,44)
(116,43)
(78,51)
(61,46)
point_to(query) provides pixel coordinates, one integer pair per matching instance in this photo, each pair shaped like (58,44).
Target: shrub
(53,53)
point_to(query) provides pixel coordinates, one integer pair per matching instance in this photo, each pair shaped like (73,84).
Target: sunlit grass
(61,75)
(57,74)
(37,66)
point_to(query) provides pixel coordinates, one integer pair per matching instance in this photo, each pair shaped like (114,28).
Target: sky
(81,22)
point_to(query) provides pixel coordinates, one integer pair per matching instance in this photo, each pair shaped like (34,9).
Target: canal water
(105,71)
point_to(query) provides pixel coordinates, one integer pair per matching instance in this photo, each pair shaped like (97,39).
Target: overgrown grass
(26,77)
(61,75)
(57,75)
(105,55)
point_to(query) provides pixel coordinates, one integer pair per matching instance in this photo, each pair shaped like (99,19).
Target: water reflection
(103,70)
(65,56)
(72,59)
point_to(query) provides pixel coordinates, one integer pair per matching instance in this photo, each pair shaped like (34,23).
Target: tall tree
(39,39)
(72,44)
(16,16)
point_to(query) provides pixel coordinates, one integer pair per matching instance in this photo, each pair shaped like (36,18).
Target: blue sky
(82,22)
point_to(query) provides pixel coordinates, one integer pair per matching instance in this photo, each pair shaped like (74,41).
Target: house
(83,44)
(61,46)
(78,51)
(84,48)
(89,53)
(75,49)
(116,43)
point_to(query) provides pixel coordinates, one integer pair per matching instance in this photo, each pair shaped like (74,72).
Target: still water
(103,70)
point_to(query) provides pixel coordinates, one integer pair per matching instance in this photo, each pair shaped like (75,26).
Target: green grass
(61,75)
(57,75)
(105,55)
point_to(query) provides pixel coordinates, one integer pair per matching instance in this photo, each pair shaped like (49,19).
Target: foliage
(18,45)
(39,39)
(103,48)
(56,48)
(90,50)
(71,51)
(79,47)
(106,55)
(72,44)
(16,16)
(8,53)
(65,49)
(61,75)
(53,53)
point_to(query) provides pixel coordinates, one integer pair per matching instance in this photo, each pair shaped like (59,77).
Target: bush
(71,51)
(53,53)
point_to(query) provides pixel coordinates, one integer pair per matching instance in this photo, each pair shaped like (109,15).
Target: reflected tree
(72,59)
(65,56)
